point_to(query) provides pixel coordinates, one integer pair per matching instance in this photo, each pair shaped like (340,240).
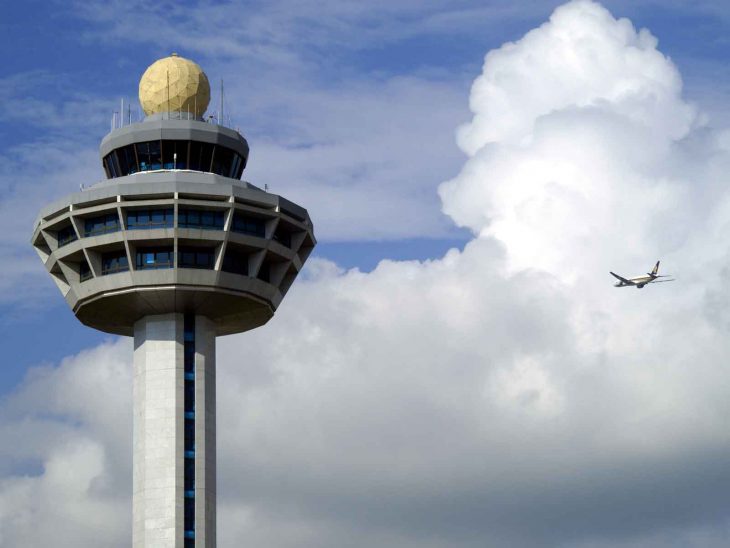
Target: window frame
(141,255)
(108,260)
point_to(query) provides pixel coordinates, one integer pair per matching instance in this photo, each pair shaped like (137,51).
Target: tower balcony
(173,241)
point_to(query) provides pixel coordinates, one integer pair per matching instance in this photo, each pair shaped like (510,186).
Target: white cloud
(503,395)
(359,155)
(74,421)
(582,57)
(580,148)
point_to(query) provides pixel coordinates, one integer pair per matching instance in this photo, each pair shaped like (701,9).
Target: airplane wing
(623,280)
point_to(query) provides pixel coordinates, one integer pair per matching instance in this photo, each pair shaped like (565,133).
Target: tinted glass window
(66,235)
(84,271)
(110,167)
(223,161)
(150,218)
(189,424)
(114,262)
(149,156)
(189,402)
(154,258)
(236,166)
(248,225)
(196,258)
(189,513)
(265,272)
(283,237)
(115,163)
(102,224)
(189,355)
(189,472)
(196,218)
(238,169)
(235,262)
(175,154)
(201,155)
(127,160)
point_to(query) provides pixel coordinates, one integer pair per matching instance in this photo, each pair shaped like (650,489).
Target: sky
(453,368)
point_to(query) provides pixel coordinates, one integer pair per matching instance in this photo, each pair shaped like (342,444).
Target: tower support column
(174,472)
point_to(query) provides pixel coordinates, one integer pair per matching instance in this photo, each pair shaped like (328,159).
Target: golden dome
(174,84)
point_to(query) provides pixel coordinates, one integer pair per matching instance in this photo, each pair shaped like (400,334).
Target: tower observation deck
(174,250)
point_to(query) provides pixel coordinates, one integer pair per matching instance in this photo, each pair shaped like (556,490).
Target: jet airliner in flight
(641,281)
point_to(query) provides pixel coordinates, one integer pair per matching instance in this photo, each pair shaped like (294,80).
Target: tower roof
(174,84)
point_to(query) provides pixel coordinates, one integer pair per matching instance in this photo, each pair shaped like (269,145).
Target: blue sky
(57,58)
(353,110)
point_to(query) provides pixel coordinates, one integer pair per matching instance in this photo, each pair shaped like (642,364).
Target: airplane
(641,281)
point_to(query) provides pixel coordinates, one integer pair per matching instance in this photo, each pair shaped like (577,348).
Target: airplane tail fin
(655,270)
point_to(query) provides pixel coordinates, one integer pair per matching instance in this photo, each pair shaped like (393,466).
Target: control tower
(174,249)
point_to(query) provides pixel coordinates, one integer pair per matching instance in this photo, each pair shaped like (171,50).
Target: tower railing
(130,117)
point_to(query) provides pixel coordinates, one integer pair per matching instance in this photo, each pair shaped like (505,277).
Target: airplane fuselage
(638,281)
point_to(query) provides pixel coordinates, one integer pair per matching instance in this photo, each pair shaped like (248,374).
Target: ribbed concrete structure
(159,434)
(174,250)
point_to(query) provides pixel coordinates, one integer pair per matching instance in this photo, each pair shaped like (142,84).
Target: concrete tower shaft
(174,250)
(170,472)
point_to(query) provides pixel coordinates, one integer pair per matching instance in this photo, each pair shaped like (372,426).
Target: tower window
(84,271)
(149,156)
(189,517)
(150,218)
(127,160)
(248,225)
(283,237)
(235,262)
(189,451)
(223,161)
(102,224)
(195,257)
(112,166)
(189,427)
(175,154)
(148,259)
(237,167)
(196,218)
(114,262)
(66,235)
(189,471)
(201,156)
(265,272)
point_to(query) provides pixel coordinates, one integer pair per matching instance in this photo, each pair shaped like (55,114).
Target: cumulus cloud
(581,57)
(65,460)
(572,146)
(501,395)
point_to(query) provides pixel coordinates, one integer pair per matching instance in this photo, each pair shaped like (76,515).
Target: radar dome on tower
(174,84)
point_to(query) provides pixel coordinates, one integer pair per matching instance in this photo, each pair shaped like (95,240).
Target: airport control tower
(174,249)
